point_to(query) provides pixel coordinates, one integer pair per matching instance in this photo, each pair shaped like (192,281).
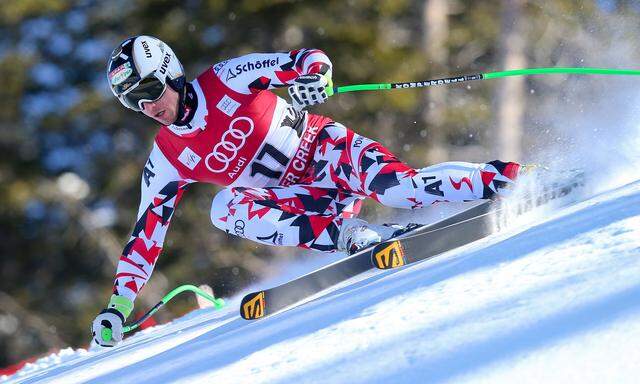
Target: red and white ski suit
(290,177)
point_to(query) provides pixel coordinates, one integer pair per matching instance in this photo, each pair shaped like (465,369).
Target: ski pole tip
(218,303)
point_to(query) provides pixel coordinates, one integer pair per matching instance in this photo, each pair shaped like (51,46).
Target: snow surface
(555,299)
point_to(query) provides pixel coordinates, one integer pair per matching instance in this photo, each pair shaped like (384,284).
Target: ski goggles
(145,90)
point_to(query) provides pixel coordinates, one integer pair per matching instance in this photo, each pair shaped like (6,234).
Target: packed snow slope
(556,299)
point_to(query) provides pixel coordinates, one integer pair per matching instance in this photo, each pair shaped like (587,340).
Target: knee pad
(220,209)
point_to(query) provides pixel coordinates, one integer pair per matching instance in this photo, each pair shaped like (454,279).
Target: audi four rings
(233,139)
(238,228)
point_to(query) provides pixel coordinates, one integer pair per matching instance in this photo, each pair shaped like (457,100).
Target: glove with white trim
(311,89)
(107,326)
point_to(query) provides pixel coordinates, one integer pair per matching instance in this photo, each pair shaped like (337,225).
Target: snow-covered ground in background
(553,299)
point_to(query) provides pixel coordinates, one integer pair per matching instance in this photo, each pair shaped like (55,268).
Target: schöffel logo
(250,66)
(254,307)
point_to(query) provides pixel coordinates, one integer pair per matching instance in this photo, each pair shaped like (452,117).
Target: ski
(428,241)
(265,302)
(419,243)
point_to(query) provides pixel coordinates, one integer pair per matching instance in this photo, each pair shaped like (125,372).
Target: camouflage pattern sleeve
(161,189)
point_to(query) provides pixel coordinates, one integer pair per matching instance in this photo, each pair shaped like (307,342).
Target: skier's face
(165,109)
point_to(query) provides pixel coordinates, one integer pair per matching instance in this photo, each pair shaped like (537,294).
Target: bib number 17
(260,168)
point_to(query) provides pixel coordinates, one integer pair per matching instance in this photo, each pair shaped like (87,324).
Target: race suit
(290,177)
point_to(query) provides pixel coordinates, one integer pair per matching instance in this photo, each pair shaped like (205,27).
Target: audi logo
(233,139)
(238,228)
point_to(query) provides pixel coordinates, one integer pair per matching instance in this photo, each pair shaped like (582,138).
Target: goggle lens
(149,89)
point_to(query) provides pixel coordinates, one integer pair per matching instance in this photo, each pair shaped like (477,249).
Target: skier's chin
(166,118)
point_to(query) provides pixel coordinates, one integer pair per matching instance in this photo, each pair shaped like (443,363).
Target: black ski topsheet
(266,302)
(430,240)
(421,243)
(263,303)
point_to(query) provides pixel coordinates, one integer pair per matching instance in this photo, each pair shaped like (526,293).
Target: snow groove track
(555,300)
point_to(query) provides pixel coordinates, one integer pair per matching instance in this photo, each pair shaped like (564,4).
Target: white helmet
(140,69)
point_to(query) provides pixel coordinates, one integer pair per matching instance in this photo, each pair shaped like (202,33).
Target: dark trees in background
(72,155)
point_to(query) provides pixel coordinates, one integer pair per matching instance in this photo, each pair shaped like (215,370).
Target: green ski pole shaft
(486,76)
(217,303)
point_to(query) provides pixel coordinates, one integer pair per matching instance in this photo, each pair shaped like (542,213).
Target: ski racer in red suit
(291,178)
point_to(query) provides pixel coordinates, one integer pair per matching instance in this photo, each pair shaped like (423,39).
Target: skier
(290,178)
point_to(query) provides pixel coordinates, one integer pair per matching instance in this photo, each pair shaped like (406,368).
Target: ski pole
(217,303)
(485,76)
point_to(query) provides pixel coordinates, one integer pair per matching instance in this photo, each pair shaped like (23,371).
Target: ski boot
(536,183)
(499,178)
(357,234)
